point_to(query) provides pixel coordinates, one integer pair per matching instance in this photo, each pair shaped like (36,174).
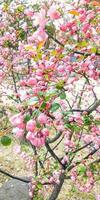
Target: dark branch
(14,177)
(85,158)
(94,107)
(53,154)
(62,45)
(58,187)
(83,147)
(55,138)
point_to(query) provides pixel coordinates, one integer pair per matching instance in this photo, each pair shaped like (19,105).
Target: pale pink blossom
(42,118)
(31,125)
(31,82)
(53,13)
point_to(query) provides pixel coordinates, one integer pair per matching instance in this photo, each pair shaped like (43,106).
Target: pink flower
(87,138)
(45,132)
(31,82)
(65,160)
(63,27)
(17,120)
(98,197)
(29,13)
(69,143)
(38,142)
(1,76)
(20,133)
(42,118)
(53,13)
(85,27)
(40,35)
(41,18)
(30,136)
(61,69)
(35,139)
(23,83)
(31,125)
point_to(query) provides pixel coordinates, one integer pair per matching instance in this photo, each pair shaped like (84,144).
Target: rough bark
(57,187)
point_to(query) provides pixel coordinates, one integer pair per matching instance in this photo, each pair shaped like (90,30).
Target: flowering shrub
(49,53)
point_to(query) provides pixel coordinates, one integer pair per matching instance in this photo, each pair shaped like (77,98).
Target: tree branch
(55,138)
(53,154)
(94,107)
(75,52)
(89,110)
(58,187)
(83,147)
(85,158)
(14,177)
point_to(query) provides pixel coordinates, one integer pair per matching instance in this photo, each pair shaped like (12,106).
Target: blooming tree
(49,55)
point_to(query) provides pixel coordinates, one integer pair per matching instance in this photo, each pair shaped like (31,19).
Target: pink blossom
(85,27)
(63,27)
(61,69)
(31,125)
(41,18)
(31,82)
(65,159)
(23,83)
(29,12)
(20,133)
(97,196)
(82,18)
(45,132)
(53,13)
(36,139)
(40,35)
(38,142)
(42,118)
(18,120)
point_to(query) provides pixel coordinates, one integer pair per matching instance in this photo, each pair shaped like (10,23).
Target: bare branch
(14,177)
(53,154)
(94,107)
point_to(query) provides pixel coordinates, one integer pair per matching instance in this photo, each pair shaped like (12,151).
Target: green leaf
(36,7)
(27,118)
(40,94)
(8,43)
(63,95)
(68,126)
(82,170)
(87,120)
(84,43)
(97,122)
(60,85)
(50,94)
(94,50)
(38,125)
(20,8)
(43,106)
(76,128)
(22,34)
(55,106)
(35,113)
(39,185)
(5,140)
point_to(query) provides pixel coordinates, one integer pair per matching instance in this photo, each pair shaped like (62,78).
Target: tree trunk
(57,187)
